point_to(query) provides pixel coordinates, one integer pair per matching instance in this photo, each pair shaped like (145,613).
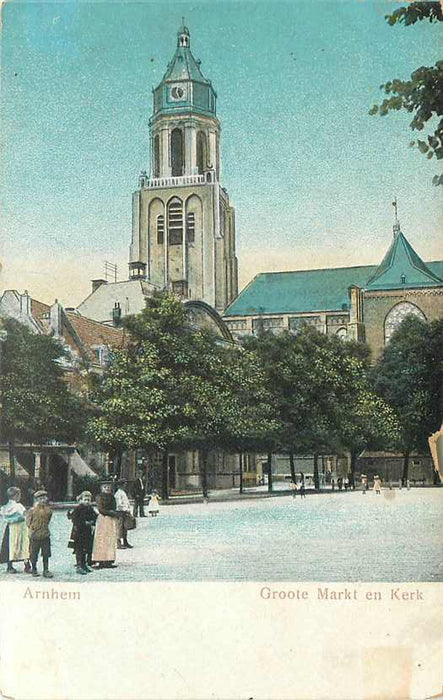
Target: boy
(39,537)
(123,508)
(83,519)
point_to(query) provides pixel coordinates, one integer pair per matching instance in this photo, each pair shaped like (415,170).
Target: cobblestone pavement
(336,537)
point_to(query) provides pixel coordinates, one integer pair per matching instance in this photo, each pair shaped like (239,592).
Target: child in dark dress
(83,519)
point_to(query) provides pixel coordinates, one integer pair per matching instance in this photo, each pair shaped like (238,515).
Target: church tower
(183,236)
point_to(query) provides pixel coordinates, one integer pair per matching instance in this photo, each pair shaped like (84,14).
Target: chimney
(55,318)
(25,303)
(98,283)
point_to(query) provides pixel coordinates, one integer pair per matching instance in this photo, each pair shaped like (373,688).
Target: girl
(83,519)
(15,544)
(153,506)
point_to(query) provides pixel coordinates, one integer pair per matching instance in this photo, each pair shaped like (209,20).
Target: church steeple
(183,222)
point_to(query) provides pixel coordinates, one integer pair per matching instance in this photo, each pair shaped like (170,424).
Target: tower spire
(396,226)
(183,36)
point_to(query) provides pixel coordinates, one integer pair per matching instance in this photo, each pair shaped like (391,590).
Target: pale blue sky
(310,173)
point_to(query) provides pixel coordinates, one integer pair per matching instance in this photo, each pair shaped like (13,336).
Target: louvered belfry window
(175,221)
(160,229)
(190,227)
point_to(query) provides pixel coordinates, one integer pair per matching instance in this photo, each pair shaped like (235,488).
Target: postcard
(221,321)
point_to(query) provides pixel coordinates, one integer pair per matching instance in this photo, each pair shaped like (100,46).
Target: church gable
(402,268)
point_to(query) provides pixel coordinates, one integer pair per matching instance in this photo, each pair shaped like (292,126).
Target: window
(342,333)
(156,172)
(160,229)
(397,314)
(190,227)
(177,152)
(201,152)
(175,221)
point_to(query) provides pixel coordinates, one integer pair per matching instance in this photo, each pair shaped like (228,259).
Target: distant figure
(377,484)
(340,483)
(153,506)
(408,484)
(346,484)
(139,492)
(400,484)
(294,488)
(302,489)
(364,483)
(333,484)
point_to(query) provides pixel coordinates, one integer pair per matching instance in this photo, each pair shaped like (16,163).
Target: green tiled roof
(402,268)
(309,290)
(295,292)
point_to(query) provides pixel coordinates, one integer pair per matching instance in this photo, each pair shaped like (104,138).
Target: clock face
(178,93)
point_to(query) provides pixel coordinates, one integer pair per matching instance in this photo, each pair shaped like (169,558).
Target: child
(15,544)
(123,508)
(153,506)
(377,484)
(83,519)
(39,537)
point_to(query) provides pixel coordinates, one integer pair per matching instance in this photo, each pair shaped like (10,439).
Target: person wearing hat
(139,492)
(377,484)
(83,518)
(124,511)
(106,530)
(38,519)
(15,543)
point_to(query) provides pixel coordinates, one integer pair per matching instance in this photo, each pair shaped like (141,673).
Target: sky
(311,175)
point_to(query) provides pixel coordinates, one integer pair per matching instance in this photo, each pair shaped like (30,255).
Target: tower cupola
(184,88)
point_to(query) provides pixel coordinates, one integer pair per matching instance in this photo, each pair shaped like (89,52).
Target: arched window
(202,158)
(160,229)
(177,152)
(397,314)
(175,221)
(156,172)
(342,333)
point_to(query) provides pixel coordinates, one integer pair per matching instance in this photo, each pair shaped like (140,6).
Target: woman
(15,544)
(106,529)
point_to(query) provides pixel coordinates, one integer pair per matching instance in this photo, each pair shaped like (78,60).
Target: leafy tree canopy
(422,94)
(409,376)
(37,405)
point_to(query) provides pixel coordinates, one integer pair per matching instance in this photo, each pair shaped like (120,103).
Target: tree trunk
(316,474)
(165,476)
(405,467)
(240,464)
(269,472)
(292,465)
(11,448)
(353,462)
(204,472)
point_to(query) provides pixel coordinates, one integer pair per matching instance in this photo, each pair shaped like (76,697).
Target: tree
(422,94)
(37,405)
(174,387)
(309,373)
(409,376)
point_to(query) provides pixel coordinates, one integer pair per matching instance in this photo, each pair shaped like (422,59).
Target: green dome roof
(183,87)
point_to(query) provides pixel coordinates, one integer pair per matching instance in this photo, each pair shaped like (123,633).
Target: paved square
(325,537)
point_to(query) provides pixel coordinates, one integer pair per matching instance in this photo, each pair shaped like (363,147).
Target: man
(138,493)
